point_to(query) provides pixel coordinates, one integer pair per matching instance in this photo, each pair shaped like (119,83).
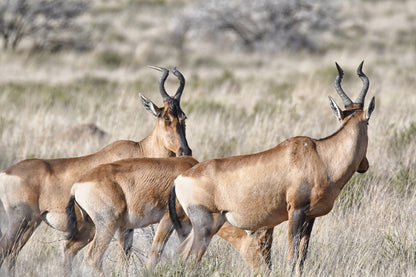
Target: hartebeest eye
(167,119)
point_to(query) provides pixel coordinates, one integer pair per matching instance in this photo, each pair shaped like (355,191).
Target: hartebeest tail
(71,223)
(173,215)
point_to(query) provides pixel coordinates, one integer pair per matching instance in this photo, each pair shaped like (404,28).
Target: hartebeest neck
(154,145)
(343,151)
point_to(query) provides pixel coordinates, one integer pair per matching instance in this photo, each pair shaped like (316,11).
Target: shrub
(49,24)
(264,24)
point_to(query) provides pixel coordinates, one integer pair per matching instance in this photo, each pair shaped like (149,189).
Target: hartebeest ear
(335,108)
(370,108)
(151,107)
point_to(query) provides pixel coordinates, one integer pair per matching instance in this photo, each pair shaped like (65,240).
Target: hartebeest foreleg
(300,229)
(264,238)
(163,232)
(254,248)
(304,242)
(297,218)
(125,240)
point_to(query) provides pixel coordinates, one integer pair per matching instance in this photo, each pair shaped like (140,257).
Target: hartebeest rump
(123,195)
(38,189)
(298,180)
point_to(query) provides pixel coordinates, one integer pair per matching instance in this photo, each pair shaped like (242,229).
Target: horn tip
(340,71)
(360,69)
(157,68)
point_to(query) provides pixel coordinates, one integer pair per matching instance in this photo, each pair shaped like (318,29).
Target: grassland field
(237,102)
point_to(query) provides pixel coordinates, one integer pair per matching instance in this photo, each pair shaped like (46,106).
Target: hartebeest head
(171,118)
(353,107)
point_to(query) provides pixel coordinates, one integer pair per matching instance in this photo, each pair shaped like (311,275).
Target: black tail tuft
(173,214)
(71,223)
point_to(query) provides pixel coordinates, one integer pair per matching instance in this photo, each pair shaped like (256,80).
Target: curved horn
(178,74)
(366,84)
(162,80)
(347,101)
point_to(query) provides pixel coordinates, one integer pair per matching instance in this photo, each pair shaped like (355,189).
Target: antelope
(38,189)
(298,180)
(136,193)
(126,194)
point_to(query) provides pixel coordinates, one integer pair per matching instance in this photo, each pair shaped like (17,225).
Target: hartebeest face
(171,118)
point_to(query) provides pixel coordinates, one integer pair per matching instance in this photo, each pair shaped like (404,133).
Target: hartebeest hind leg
(22,223)
(205,224)
(103,235)
(72,247)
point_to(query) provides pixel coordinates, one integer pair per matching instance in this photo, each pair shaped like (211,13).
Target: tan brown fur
(298,180)
(128,194)
(38,189)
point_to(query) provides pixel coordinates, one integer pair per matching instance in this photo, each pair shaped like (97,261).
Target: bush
(263,25)
(49,24)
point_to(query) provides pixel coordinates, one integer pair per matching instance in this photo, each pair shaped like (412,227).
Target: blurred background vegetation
(257,72)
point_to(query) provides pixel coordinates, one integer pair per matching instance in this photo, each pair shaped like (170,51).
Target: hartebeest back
(298,180)
(36,189)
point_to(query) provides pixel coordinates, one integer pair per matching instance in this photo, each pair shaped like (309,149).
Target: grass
(236,103)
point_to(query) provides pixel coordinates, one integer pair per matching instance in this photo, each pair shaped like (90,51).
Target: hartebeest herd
(129,185)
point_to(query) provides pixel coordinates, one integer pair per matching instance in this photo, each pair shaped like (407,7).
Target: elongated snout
(184,149)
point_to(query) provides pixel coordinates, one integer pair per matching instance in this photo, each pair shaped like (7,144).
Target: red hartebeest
(298,180)
(136,193)
(38,189)
(126,194)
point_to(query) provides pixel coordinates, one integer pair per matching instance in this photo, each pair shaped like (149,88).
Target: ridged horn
(181,78)
(366,84)
(347,101)
(162,80)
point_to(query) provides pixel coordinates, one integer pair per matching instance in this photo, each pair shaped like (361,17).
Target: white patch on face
(306,144)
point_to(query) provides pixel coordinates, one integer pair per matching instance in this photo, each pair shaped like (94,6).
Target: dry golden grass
(237,103)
